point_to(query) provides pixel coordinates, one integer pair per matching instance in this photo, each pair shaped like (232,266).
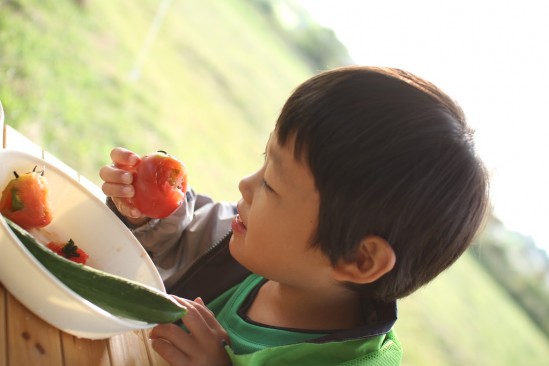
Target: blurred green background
(205,80)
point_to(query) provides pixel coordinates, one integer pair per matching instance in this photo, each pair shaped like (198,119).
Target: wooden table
(27,340)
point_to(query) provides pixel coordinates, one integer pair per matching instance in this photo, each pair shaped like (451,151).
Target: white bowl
(79,215)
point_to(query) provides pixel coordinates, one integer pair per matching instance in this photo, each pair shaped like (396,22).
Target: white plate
(79,215)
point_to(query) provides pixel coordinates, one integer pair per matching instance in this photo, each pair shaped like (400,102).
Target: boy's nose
(245,188)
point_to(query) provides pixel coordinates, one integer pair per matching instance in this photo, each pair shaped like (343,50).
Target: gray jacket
(175,242)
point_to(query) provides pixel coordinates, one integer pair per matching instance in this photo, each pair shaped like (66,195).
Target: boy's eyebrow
(275,158)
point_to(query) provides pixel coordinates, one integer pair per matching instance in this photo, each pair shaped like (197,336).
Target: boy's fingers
(201,323)
(202,344)
(172,343)
(175,335)
(124,157)
(126,208)
(211,321)
(169,352)
(116,190)
(109,173)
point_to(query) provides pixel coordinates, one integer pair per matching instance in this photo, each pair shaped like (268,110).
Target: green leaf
(16,203)
(70,250)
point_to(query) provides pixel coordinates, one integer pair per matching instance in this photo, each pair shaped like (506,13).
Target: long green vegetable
(117,295)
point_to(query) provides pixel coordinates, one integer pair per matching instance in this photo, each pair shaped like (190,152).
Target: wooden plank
(16,141)
(85,352)
(129,349)
(31,341)
(3,339)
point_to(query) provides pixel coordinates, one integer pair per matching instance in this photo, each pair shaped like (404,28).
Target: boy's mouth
(238,225)
(239,220)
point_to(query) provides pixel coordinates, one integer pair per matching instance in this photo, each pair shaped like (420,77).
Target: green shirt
(257,344)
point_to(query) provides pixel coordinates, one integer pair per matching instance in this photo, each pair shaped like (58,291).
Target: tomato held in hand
(160,183)
(25,200)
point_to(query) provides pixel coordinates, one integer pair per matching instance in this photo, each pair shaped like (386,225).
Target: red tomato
(70,251)
(25,200)
(160,183)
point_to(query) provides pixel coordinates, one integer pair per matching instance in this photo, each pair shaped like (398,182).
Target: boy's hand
(202,345)
(118,183)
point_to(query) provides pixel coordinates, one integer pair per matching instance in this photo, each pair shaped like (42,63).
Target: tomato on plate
(70,251)
(160,183)
(25,200)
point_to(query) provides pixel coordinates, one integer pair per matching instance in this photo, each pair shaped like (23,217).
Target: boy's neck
(290,307)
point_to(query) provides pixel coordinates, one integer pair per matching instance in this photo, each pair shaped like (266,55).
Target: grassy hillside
(464,318)
(207,88)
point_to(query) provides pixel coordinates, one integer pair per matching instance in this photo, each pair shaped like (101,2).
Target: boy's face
(278,219)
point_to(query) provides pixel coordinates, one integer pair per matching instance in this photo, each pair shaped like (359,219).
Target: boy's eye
(266,185)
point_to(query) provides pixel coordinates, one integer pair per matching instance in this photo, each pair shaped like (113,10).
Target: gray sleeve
(175,242)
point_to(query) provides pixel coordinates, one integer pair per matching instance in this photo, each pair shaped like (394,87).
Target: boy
(370,188)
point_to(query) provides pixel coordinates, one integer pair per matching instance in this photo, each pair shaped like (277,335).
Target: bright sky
(493,58)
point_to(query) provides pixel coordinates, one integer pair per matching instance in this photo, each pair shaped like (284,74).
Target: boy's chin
(233,244)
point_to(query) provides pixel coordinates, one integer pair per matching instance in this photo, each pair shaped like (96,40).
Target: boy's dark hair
(391,156)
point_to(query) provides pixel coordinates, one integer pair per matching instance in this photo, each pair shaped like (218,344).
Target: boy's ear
(373,258)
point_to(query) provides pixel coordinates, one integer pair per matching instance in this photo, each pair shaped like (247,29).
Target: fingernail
(127,178)
(127,191)
(133,159)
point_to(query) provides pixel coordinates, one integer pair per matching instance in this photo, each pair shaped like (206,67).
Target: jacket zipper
(212,250)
